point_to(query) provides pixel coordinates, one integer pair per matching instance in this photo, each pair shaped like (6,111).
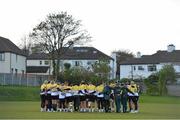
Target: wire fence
(22,79)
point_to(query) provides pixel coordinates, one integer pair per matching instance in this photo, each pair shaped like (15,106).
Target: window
(152,68)
(16,72)
(94,51)
(2,57)
(22,73)
(134,68)
(140,68)
(40,62)
(78,63)
(90,62)
(16,57)
(81,50)
(46,62)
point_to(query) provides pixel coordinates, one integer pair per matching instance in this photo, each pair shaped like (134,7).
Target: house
(75,56)
(38,63)
(143,66)
(12,59)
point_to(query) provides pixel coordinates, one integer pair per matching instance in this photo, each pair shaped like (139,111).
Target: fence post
(27,81)
(12,79)
(4,78)
(35,80)
(20,79)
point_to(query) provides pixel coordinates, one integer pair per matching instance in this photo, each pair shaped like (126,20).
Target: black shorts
(46,98)
(91,98)
(49,97)
(55,97)
(100,98)
(61,100)
(130,98)
(43,97)
(69,99)
(83,98)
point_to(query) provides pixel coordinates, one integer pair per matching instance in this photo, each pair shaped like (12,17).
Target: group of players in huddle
(104,97)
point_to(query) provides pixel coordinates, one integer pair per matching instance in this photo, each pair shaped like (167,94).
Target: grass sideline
(18,102)
(19,93)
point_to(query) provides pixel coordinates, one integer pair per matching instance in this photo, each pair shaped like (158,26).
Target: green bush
(152,84)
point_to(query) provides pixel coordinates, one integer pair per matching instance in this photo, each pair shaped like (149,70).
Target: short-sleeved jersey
(67,87)
(43,87)
(82,87)
(75,87)
(91,87)
(54,87)
(58,86)
(100,88)
(48,86)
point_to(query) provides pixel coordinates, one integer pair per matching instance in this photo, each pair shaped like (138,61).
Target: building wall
(40,63)
(18,62)
(37,63)
(13,61)
(127,71)
(5,65)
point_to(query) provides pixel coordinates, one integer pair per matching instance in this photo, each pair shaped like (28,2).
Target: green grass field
(30,110)
(19,107)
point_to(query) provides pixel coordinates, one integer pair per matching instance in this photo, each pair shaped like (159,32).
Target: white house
(12,59)
(39,63)
(143,66)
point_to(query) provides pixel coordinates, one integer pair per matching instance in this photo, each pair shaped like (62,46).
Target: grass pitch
(31,110)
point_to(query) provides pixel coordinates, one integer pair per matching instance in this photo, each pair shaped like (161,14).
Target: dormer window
(94,51)
(81,50)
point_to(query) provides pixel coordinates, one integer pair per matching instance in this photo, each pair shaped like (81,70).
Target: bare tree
(26,44)
(58,31)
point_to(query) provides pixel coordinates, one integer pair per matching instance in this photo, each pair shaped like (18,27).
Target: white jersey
(42,93)
(90,91)
(136,94)
(75,92)
(130,94)
(82,93)
(100,95)
(54,93)
(62,95)
(69,93)
(49,92)
(95,93)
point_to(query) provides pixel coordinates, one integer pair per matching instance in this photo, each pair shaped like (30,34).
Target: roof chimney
(138,55)
(170,48)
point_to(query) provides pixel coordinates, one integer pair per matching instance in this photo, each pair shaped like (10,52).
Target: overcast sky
(136,25)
